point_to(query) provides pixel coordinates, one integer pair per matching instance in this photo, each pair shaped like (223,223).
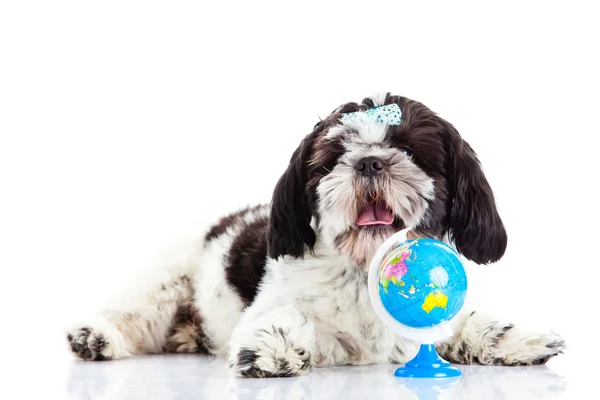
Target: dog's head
(356,180)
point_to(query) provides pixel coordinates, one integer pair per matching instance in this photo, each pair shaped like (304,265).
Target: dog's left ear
(291,213)
(475,226)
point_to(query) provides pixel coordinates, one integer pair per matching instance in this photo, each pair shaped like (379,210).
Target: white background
(127,125)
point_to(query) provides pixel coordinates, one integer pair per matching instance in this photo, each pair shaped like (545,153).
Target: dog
(281,288)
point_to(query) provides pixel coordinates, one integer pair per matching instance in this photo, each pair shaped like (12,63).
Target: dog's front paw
(88,345)
(526,349)
(269,353)
(489,342)
(100,343)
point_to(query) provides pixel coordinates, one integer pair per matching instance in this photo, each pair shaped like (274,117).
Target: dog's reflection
(197,377)
(372,382)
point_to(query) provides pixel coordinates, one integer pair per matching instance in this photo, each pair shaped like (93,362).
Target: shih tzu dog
(281,288)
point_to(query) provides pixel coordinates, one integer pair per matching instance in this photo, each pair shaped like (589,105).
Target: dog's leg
(278,343)
(482,340)
(140,322)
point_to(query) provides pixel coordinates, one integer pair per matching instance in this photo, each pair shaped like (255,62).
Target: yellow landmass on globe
(434,300)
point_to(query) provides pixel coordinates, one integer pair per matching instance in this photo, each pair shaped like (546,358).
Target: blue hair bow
(389,114)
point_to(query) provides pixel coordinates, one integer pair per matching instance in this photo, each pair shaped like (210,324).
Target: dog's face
(356,181)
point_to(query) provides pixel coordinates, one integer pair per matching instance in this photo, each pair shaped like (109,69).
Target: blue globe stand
(427,364)
(427,374)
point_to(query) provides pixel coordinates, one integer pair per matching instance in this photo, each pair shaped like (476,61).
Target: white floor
(200,377)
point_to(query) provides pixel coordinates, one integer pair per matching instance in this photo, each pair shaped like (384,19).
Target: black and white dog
(282,288)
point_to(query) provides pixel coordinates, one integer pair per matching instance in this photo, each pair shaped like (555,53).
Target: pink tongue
(375,214)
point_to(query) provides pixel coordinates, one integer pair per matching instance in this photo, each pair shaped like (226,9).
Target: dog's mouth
(375,213)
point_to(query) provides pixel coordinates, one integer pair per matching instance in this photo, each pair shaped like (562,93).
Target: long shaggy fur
(281,288)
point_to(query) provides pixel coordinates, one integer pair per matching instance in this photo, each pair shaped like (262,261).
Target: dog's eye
(405,151)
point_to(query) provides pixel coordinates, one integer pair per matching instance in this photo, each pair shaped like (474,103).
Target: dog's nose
(370,166)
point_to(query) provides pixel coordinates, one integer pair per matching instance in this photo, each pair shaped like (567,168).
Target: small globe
(422,283)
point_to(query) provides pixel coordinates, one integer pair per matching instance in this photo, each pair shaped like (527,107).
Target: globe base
(427,364)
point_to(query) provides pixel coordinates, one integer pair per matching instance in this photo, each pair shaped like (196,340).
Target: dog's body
(281,288)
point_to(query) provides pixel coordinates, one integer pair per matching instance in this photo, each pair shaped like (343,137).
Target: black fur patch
(245,263)
(292,207)
(226,222)
(247,357)
(188,315)
(556,345)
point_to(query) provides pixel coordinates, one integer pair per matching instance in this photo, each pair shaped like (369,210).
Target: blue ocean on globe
(422,283)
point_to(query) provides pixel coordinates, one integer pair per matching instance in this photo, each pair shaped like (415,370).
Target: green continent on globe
(396,268)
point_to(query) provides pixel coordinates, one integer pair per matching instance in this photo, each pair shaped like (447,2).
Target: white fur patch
(368,130)
(378,98)
(219,304)
(335,131)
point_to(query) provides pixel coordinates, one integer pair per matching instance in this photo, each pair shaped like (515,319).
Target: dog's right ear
(291,213)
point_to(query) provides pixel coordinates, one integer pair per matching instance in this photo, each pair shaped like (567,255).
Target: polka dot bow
(389,114)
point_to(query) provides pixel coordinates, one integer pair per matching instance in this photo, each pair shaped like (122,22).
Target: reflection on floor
(199,377)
